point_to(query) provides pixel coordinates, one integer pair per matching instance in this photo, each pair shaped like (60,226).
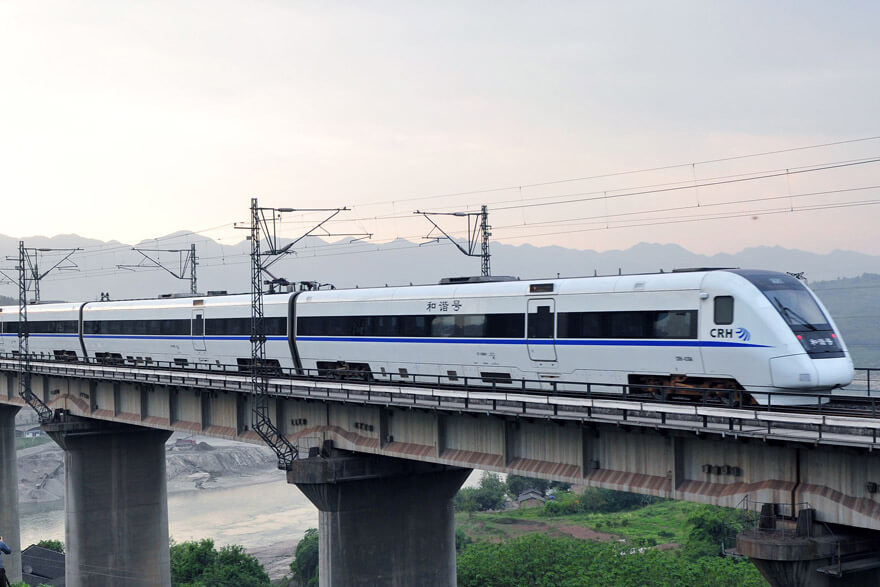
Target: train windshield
(791,299)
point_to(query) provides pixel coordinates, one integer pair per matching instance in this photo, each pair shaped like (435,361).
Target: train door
(718,331)
(541,327)
(198,330)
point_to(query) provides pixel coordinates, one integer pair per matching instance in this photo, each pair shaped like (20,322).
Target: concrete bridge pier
(116,508)
(9,521)
(383,520)
(805,553)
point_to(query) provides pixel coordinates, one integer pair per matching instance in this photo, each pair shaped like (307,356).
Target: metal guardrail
(763,517)
(814,423)
(776,400)
(866,379)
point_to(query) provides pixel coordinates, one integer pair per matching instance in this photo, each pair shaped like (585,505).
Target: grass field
(663,522)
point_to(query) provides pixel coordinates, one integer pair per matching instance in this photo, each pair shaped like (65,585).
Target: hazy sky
(129,121)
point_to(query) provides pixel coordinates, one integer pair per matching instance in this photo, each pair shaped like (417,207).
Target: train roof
(676,280)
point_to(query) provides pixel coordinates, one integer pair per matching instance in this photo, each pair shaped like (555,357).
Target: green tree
(490,495)
(466,500)
(305,559)
(710,528)
(199,564)
(596,500)
(55,545)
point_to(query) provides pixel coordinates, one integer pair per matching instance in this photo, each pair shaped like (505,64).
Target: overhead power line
(186,259)
(478,228)
(627,172)
(693,186)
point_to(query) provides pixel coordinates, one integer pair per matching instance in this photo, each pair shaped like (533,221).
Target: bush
(711,527)
(305,559)
(490,495)
(544,561)
(55,545)
(596,500)
(198,563)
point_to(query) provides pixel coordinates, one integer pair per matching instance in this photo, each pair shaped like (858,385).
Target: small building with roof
(530,498)
(42,566)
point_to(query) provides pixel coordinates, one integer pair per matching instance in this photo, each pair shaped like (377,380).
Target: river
(252,516)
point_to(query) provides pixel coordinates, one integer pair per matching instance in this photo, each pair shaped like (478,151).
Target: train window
(359,325)
(443,326)
(52,327)
(641,324)
(628,325)
(472,325)
(273,326)
(590,325)
(505,325)
(723,309)
(440,326)
(384,325)
(678,324)
(541,323)
(198,325)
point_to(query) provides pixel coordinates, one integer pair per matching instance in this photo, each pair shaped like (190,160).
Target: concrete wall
(835,484)
(189,406)
(696,465)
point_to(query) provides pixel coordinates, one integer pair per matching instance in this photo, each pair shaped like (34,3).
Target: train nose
(793,371)
(834,372)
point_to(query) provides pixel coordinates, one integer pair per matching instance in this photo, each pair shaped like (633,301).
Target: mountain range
(365,264)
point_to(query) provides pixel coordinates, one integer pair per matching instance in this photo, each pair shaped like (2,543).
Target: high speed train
(740,332)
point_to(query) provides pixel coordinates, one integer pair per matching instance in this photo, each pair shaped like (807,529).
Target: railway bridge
(383,461)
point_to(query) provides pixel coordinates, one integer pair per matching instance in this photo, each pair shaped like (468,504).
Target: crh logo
(743,334)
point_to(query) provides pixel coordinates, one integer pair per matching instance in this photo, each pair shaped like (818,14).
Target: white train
(744,332)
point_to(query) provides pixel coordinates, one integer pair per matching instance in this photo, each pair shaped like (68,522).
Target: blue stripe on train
(540,341)
(437,340)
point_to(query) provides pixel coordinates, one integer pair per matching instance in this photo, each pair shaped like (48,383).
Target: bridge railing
(237,377)
(866,379)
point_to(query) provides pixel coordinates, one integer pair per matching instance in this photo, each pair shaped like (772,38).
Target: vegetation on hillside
(197,563)
(541,560)
(600,537)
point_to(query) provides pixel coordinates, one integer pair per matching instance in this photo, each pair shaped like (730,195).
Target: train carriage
(742,333)
(729,330)
(448,332)
(186,332)
(53,331)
